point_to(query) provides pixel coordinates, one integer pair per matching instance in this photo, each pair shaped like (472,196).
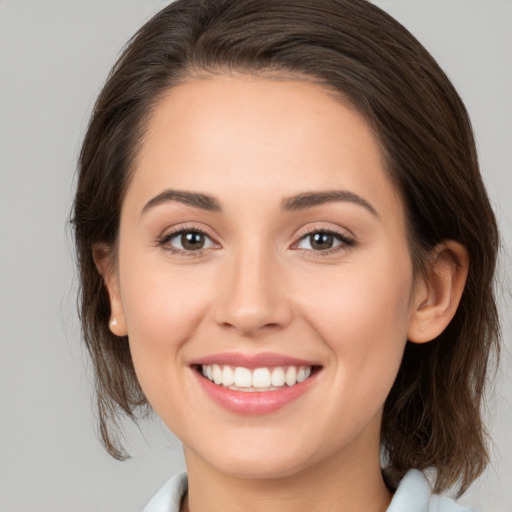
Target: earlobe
(102,256)
(437,295)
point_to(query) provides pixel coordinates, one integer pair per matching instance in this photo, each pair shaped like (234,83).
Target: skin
(260,286)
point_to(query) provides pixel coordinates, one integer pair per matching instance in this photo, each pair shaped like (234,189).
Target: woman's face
(260,235)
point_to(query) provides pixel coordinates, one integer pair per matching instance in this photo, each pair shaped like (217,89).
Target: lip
(252,361)
(254,402)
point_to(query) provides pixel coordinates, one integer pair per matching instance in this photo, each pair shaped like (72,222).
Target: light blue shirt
(413,495)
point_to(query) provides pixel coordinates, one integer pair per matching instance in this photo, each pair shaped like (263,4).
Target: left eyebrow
(197,200)
(310,199)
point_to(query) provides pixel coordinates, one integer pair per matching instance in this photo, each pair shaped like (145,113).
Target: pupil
(322,241)
(192,240)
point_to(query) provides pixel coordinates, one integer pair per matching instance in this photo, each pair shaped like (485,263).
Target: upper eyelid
(320,227)
(300,234)
(345,239)
(173,231)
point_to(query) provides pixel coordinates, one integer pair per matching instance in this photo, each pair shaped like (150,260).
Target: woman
(287,252)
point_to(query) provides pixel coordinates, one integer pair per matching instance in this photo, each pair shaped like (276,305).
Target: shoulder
(168,498)
(414,494)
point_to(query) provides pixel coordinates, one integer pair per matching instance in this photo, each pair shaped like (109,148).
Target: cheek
(163,311)
(163,307)
(362,313)
(160,299)
(366,302)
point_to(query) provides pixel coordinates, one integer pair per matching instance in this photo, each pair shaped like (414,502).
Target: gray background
(54,56)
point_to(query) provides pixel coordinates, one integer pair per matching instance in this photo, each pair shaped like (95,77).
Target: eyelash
(164,240)
(345,240)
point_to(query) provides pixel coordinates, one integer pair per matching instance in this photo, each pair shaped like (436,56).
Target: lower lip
(255,402)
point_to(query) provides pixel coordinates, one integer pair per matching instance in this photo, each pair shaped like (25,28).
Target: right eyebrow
(202,201)
(311,199)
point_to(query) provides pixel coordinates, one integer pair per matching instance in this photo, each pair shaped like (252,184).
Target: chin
(263,469)
(270,462)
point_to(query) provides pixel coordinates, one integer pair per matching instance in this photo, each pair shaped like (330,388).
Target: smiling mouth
(239,378)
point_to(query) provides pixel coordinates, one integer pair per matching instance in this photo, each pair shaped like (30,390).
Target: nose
(253,295)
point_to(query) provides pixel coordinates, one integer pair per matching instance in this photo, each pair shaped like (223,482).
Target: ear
(103,258)
(437,295)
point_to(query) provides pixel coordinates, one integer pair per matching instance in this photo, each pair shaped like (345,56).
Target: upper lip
(265,359)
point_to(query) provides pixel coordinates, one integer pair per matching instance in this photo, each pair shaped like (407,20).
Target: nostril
(251,329)
(251,301)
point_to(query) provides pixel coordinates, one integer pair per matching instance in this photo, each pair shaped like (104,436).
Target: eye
(324,241)
(186,240)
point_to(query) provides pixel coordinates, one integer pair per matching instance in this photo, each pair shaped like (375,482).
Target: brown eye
(321,241)
(324,241)
(192,241)
(186,241)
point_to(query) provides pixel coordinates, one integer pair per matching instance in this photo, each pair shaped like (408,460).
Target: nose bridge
(253,295)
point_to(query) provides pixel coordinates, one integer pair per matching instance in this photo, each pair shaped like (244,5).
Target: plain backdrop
(54,57)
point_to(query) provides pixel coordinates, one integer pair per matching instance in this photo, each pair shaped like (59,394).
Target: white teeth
(261,378)
(217,374)
(278,378)
(291,376)
(228,376)
(244,379)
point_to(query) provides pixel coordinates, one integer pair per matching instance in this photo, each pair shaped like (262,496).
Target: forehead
(258,137)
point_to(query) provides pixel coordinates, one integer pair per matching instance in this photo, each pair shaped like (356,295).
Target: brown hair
(432,416)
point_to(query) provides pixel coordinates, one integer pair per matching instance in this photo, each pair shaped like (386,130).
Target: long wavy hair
(432,416)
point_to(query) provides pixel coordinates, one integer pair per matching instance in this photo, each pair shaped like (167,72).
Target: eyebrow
(310,199)
(202,201)
(298,202)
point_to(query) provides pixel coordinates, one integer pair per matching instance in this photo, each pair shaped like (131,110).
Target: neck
(350,487)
